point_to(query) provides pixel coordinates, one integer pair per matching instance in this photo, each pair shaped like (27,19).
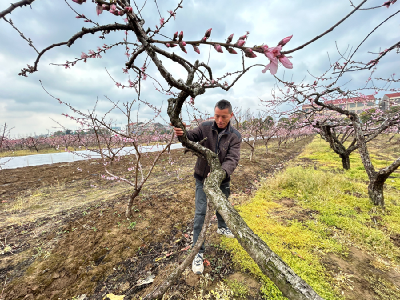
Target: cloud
(28,108)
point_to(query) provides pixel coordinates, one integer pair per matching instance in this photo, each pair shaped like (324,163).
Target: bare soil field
(64,234)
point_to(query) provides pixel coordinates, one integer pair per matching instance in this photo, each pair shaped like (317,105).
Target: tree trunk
(375,191)
(132,197)
(288,282)
(251,153)
(345,161)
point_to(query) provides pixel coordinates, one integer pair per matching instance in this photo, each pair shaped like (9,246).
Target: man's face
(222,117)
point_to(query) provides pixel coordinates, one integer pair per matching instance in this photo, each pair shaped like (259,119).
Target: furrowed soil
(64,234)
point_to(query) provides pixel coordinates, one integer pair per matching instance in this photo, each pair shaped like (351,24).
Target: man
(224,140)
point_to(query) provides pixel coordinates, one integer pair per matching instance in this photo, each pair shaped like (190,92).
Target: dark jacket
(227,146)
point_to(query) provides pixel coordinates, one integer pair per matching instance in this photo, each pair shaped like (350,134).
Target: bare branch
(14,6)
(326,32)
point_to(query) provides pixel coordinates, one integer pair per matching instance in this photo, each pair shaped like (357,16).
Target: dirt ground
(64,234)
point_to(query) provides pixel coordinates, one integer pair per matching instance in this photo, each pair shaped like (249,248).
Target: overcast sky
(25,106)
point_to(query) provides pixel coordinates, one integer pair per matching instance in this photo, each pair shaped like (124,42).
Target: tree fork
(290,284)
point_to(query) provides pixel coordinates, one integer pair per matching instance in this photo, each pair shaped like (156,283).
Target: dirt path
(67,236)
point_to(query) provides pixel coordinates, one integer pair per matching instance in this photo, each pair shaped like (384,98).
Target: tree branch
(14,6)
(326,32)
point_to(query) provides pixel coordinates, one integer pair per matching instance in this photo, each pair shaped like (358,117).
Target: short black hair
(222,104)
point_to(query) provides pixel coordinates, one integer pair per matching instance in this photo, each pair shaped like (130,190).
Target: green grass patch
(340,214)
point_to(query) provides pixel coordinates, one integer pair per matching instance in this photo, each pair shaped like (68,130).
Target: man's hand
(178,131)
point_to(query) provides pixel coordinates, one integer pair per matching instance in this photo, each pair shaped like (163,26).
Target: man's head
(222,113)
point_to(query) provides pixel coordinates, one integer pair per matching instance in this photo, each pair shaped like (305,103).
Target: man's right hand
(178,131)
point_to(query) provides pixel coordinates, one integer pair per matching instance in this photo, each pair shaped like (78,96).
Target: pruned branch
(14,6)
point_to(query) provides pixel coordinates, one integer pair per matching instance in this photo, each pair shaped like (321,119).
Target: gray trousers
(201,207)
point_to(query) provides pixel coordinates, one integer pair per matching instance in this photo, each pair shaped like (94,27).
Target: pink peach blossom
(272,66)
(286,62)
(99,9)
(172,13)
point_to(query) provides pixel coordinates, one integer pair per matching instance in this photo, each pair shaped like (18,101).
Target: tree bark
(375,191)
(132,197)
(288,282)
(251,154)
(345,161)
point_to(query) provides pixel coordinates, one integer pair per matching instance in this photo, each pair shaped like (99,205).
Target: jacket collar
(228,127)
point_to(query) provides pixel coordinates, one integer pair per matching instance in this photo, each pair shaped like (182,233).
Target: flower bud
(285,40)
(249,53)
(128,9)
(208,33)
(218,48)
(229,39)
(175,36)
(240,43)
(196,49)
(181,36)
(182,48)
(231,50)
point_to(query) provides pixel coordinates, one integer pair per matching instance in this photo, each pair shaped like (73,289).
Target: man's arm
(232,157)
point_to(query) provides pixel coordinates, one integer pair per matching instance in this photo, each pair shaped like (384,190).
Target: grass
(342,216)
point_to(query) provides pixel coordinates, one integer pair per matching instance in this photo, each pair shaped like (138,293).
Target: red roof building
(355,104)
(390,100)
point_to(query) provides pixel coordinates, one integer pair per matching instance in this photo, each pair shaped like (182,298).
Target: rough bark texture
(375,191)
(132,197)
(337,145)
(290,284)
(345,161)
(376,179)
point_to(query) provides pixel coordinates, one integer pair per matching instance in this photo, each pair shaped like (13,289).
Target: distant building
(389,100)
(355,104)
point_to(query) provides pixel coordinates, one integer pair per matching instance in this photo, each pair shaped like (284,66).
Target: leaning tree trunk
(290,284)
(345,161)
